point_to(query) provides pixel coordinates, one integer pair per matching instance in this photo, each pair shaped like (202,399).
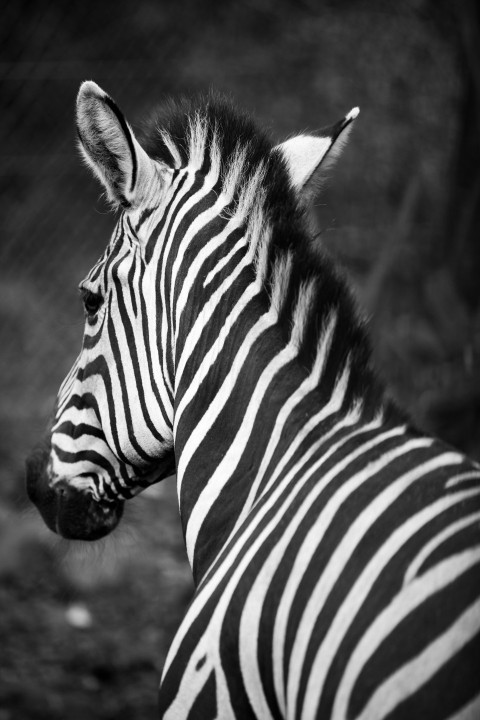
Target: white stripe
(164,243)
(306,294)
(222,396)
(195,266)
(240,559)
(167,139)
(197,141)
(437,540)
(141,432)
(213,631)
(462,477)
(229,462)
(160,413)
(191,341)
(224,261)
(281,272)
(295,399)
(471,711)
(335,565)
(155,306)
(251,615)
(360,590)
(409,678)
(65,392)
(330,408)
(210,583)
(193,229)
(75,416)
(211,356)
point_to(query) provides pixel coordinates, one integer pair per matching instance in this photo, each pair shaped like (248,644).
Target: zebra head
(114,422)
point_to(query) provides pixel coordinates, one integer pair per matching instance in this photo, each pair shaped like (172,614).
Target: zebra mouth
(67,510)
(79,517)
(75,515)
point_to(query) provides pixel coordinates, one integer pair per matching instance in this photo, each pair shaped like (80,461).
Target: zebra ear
(308,157)
(110,148)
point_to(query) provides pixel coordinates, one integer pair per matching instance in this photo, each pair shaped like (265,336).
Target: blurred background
(84,630)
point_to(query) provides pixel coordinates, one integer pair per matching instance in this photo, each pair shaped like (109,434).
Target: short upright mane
(296,274)
(220,121)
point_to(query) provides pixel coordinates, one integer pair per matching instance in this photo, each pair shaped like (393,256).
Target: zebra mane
(167,133)
(302,283)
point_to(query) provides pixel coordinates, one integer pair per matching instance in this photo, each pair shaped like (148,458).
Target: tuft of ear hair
(110,148)
(308,157)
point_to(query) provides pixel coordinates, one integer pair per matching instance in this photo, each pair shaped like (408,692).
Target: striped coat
(335,549)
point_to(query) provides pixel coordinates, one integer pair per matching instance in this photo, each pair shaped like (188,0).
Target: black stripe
(99,367)
(153,383)
(132,349)
(81,402)
(143,217)
(118,114)
(152,240)
(75,431)
(125,404)
(205,705)
(90,456)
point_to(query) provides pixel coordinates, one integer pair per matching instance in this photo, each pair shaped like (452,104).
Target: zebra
(335,548)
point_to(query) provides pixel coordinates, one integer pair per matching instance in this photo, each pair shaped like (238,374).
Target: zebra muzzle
(67,510)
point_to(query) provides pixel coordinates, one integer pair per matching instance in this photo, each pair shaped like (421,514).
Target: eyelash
(92,302)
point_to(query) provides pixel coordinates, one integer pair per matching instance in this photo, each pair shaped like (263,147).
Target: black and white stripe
(335,549)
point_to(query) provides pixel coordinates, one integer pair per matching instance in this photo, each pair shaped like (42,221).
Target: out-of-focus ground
(84,631)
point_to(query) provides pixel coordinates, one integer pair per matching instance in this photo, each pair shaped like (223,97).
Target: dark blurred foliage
(400,213)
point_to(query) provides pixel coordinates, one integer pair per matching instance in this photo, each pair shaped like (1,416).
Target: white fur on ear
(110,148)
(309,156)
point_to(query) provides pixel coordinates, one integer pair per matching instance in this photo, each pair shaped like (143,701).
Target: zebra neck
(266,345)
(244,399)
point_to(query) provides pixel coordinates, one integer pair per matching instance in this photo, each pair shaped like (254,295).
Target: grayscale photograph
(240,360)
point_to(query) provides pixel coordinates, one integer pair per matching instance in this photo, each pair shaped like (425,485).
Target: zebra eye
(92,302)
